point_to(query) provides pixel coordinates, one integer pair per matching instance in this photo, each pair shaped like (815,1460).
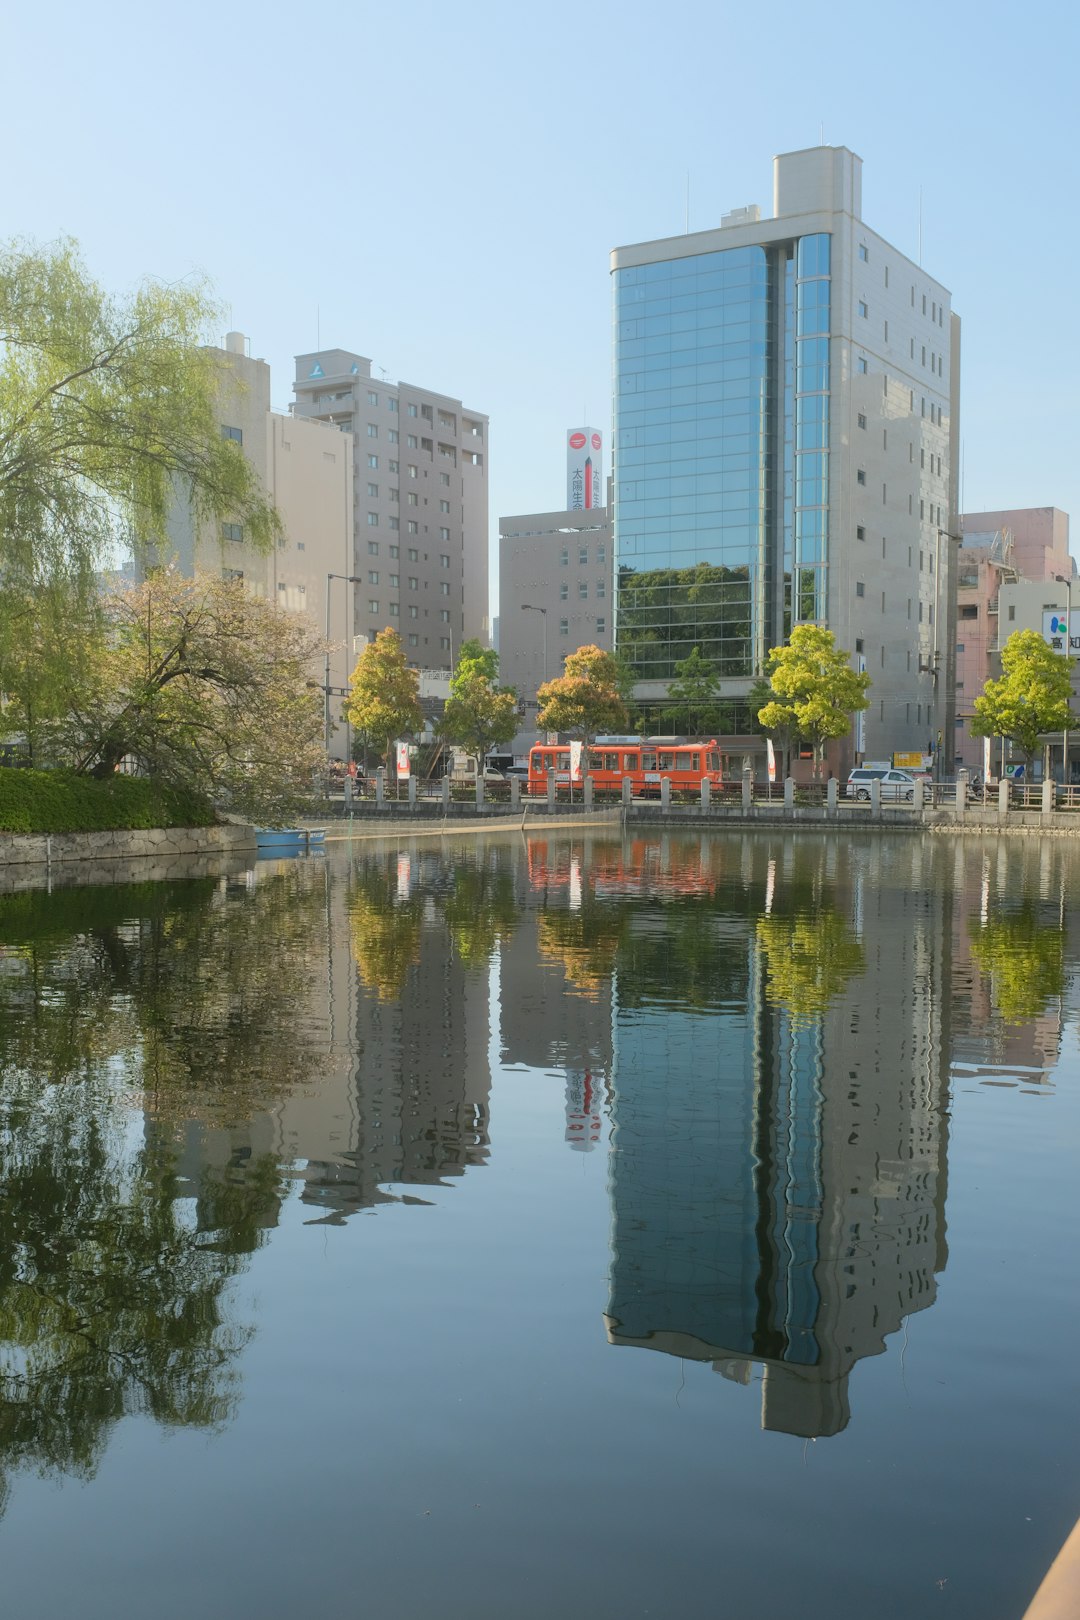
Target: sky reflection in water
(800,1112)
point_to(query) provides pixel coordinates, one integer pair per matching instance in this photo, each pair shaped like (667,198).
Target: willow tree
(110,421)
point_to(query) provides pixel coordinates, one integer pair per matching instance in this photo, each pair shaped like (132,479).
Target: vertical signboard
(860,717)
(401,750)
(584,469)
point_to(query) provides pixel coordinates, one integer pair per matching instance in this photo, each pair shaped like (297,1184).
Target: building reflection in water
(778,1086)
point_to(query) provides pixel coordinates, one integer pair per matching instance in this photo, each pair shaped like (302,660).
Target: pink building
(999,547)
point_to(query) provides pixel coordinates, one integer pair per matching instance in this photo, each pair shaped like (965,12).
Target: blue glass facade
(720,453)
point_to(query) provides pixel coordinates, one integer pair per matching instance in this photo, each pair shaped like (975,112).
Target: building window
(373,462)
(394,467)
(444,559)
(862,420)
(601,590)
(601,627)
(373,576)
(583,556)
(564,557)
(564,627)
(414,583)
(394,581)
(394,436)
(373,548)
(863,310)
(858,644)
(412,443)
(395,610)
(444,479)
(860,365)
(411,409)
(860,476)
(373,520)
(393,551)
(444,506)
(860,588)
(414,641)
(391,404)
(864,254)
(301,545)
(373,605)
(232,531)
(860,532)
(373,492)
(444,643)
(414,555)
(1012,612)
(564,591)
(394,523)
(414,499)
(444,615)
(600,553)
(583,590)
(372,431)
(234,433)
(444,534)
(412,469)
(414,611)
(372,399)
(413,528)
(444,587)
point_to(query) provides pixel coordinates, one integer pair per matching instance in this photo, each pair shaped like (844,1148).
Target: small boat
(289,840)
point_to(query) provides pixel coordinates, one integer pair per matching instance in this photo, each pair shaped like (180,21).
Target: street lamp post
(1063,579)
(350,579)
(528,607)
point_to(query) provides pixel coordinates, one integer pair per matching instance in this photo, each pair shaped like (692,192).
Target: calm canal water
(544,1227)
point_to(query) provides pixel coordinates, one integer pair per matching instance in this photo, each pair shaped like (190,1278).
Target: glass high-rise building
(784,431)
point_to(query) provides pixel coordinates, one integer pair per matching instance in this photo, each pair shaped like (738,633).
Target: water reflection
(758,1031)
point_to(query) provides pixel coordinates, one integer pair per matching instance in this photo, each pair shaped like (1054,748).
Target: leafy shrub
(59,802)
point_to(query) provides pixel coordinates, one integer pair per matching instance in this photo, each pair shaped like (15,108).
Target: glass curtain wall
(721,454)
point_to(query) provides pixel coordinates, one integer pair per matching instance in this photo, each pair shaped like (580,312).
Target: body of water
(544,1226)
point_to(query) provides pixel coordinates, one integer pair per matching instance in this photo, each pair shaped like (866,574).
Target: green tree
(695,690)
(384,693)
(590,695)
(108,407)
(1031,698)
(479,714)
(207,687)
(814,690)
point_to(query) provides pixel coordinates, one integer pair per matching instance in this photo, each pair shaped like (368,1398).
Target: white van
(895,784)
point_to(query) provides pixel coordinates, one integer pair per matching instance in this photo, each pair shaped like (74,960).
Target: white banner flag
(575,762)
(986,759)
(770,755)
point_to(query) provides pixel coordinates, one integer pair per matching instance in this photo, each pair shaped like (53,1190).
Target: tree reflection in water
(113,1297)
(810,958)
(1025,959)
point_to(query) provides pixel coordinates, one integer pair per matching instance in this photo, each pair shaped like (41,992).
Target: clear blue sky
(439,185)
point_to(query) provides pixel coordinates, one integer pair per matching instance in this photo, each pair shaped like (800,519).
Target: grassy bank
(56,802)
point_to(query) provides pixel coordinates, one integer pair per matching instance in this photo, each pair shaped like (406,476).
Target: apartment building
(420,503)
(306,468)
(785,451)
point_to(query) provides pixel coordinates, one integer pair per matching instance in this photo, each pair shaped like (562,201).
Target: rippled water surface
(544,1228)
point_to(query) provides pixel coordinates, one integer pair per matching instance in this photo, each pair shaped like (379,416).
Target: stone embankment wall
(160,843)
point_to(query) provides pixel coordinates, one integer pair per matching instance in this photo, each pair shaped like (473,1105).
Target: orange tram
(645,761)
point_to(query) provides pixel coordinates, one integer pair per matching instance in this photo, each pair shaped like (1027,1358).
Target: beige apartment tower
(419,504)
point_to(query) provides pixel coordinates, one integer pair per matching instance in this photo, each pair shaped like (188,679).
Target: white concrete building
(420,505)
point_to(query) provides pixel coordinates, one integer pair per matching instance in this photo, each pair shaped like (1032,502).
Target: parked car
(895,784)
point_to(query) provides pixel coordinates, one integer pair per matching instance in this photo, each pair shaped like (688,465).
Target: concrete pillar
(918,796)
(789,793)
(1048,796)
(445,794)
(831,790)
(480,792)
(588,794)
(380,787)
(875,796)
(551,790)
(627,790)
(515,793)
(706,793)
(961,792)
(747,792)
(665,793)
(412,791)
(1003,796)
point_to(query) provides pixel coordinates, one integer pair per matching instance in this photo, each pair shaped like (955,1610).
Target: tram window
(714,760)
(609,762)
(648,759)
(665,760)
(630,762)
(695,762)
